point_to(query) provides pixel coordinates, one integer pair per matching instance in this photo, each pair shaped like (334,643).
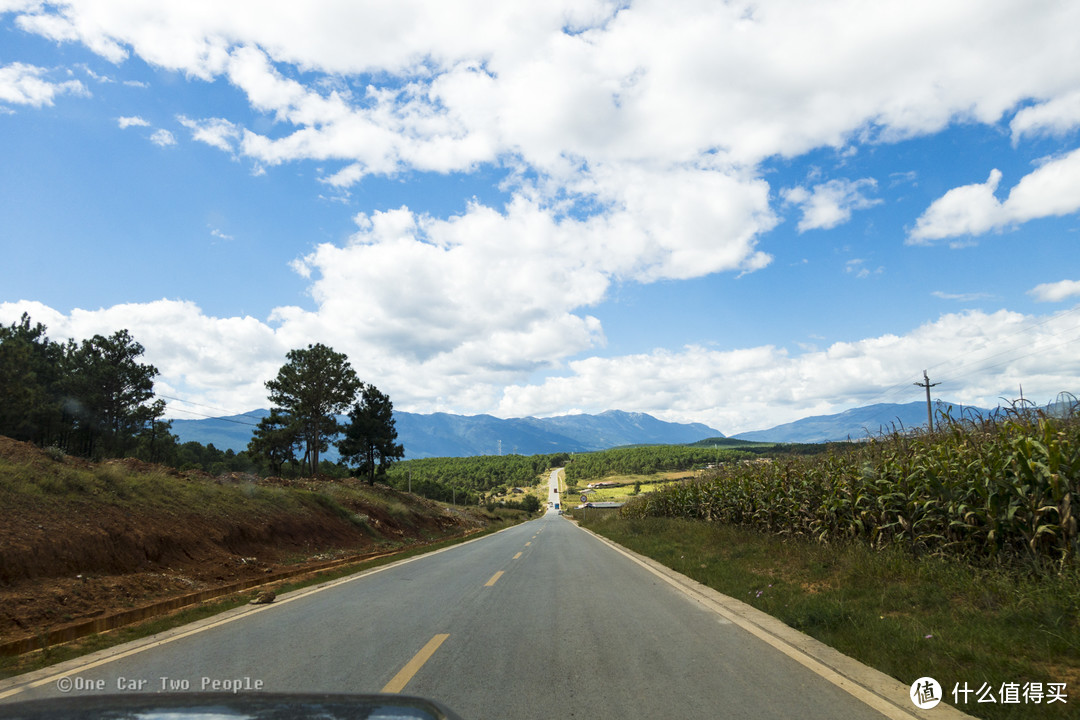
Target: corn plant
(1004,487)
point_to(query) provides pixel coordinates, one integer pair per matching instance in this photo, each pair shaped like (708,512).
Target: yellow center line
(398,683)
(494,579)
(517,556)
(528,544)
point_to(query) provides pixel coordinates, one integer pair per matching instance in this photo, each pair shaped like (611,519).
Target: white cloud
(162,138)
(347,176)
(633,145)
(830,203)
(23,84)
(1056,292)
(218,361)
(1053,117)
(104,79)
(1051,189)
(216,132)
(961,297)
(224,362)
(979,357)
(654,115)
(136,121)
(652,85)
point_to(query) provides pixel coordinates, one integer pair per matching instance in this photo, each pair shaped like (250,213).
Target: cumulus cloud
(1056,116)
(981,358)
(22,84)
(831,203)
(570,84)
(1051,189)
(602,103)
(162,138)
(1055,292)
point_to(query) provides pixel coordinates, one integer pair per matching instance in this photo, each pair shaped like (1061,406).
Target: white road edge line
(37,678)
(883,693)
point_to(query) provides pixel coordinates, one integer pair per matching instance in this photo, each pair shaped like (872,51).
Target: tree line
(96,399)
(93,398)
(648,459)
(471,480)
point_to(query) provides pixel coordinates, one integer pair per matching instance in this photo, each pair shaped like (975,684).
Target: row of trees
(92,398)
(648,459)
(96,399)
(471,479)
(314,386)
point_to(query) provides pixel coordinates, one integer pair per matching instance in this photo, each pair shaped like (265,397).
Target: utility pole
(929,412)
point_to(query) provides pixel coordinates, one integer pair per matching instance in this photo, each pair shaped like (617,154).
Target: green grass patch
(904,615)
(627,486)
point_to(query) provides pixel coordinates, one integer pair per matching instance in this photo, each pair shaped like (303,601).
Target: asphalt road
(553,490)
(539,621)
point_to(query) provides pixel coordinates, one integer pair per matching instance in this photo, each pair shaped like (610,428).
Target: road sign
(584,498)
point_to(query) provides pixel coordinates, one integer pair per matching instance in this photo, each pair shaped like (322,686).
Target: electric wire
(210,407)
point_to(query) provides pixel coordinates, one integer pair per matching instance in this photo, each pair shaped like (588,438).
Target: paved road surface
(539,621)
(553,490)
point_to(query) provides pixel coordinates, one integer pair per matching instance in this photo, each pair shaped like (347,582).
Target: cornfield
(999,488)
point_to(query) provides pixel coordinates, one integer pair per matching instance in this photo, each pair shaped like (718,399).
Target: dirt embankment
(79,540)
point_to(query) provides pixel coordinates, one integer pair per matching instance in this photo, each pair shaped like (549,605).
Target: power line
(210,407)
(215,417)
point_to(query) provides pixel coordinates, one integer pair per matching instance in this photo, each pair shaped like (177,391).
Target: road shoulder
(882,692)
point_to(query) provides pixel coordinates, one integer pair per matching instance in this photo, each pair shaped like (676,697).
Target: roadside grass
(906,616)
(55,486)
(37,660)
(59,485)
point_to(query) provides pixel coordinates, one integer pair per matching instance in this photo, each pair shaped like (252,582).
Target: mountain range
(448,435)
(856,423)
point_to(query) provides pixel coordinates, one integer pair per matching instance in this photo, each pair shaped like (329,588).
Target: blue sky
(731,214)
